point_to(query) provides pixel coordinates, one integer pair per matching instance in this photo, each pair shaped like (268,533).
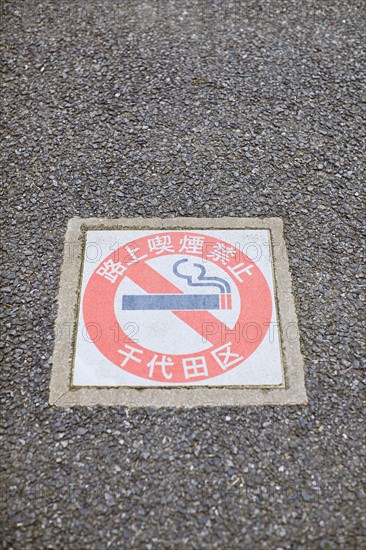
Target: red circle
(255,311)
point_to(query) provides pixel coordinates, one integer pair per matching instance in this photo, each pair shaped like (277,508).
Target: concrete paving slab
(179,312)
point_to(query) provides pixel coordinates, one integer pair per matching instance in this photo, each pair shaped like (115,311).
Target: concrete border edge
(62,395)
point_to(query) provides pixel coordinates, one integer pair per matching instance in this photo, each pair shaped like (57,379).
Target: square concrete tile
(176,312)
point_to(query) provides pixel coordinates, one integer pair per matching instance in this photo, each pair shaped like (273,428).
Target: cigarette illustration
(184,302)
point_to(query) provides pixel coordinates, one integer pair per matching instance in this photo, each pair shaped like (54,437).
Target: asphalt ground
(201,109)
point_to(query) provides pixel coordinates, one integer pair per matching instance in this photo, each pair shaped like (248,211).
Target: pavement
(185,109)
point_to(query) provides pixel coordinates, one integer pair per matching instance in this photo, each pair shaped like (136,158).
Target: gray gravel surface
(218,108)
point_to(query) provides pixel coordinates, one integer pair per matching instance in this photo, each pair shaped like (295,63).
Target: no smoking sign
(179,307)
(179,312)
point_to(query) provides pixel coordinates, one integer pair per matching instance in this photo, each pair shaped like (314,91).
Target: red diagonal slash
(201,321)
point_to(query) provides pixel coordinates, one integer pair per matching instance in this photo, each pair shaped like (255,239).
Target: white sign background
(162,331)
